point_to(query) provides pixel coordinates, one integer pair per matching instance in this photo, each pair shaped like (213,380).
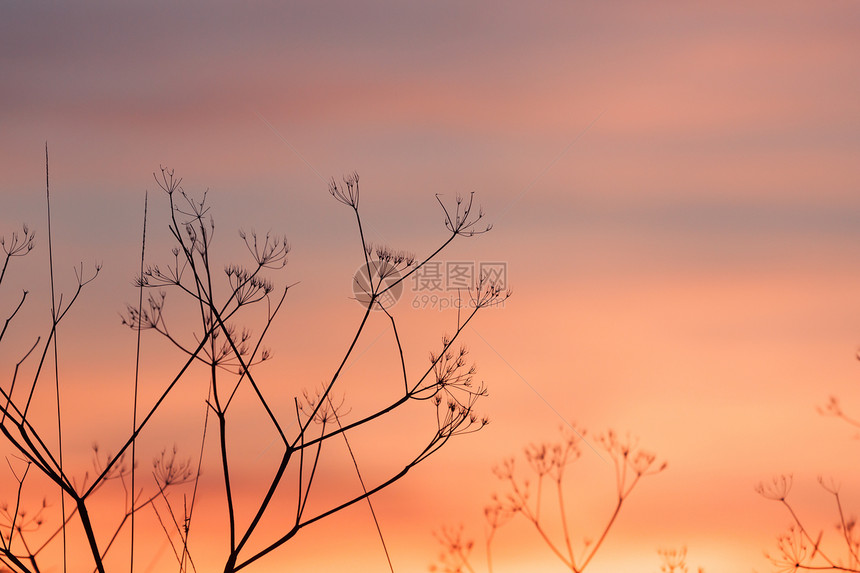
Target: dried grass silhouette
(221,346)
(541,490)
(804,547)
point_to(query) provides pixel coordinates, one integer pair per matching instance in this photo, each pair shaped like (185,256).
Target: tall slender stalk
(137,379)
(54,319)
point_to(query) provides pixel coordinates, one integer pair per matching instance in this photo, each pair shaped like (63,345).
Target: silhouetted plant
(229,354)
(802,548)
(547,462)
(675,561)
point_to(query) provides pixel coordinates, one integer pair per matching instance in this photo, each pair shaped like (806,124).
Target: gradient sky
(674,189)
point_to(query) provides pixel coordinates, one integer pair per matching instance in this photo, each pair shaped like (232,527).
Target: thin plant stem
(363,487)
(56,354)
(137,378)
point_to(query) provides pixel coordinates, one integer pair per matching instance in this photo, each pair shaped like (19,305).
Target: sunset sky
(674,193)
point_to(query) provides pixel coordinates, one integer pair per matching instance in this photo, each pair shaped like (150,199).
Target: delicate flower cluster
(777,489)
(154,276)
(168,182)
(516,500)
(629,459)
(675,561)
(456,417)
(117,468)
(461,220)
(834,408)
(234,344)
(346,193)
(450,367)
(12,522)
(385,268)
(453,392)
(321,407)
(801,548)
(489,293)
(18,246)
(271,252)
(495,514)
(392,261)
(168,471)
(247,286)
(551,458)
(455,557)
(548,460)
(146,319)
(793,551)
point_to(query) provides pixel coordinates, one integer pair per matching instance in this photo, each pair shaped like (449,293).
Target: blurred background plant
(807,547)
(675,561)
(542,490)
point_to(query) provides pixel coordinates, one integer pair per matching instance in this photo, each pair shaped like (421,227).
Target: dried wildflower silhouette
(227,353)
(547,464)
(371,280)
(803,548)
(675,561)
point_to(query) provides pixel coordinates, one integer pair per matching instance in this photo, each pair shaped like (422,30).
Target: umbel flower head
(346,193)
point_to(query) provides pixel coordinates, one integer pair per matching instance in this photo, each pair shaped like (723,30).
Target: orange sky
(673,189)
